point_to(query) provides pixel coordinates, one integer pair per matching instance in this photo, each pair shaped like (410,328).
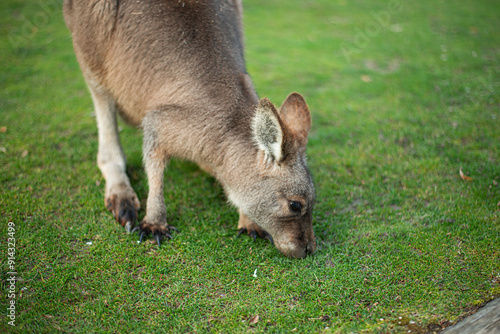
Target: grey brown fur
(176,69)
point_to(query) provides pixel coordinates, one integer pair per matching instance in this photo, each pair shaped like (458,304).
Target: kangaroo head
(280,196)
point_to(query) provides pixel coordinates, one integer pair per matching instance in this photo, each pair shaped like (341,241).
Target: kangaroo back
(148,53)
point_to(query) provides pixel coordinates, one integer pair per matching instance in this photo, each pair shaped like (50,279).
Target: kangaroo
(176,69)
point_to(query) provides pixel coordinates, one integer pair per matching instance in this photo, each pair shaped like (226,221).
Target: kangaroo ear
(296,119)
(267,130)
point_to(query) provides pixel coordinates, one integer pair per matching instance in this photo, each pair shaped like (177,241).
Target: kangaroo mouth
(297,249)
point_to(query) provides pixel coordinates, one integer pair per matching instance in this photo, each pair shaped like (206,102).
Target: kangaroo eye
(295,206)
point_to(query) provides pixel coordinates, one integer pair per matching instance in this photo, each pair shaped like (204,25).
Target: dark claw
(254,234)
(173,228)
(159,232)
(268,237)
(141,236)
(241,231)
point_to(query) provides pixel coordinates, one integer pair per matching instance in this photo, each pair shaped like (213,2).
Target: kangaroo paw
(254,232)
(245,225)
(124,209)
(144,229)
(268,237)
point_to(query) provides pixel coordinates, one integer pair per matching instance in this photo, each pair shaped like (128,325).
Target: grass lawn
(403,95)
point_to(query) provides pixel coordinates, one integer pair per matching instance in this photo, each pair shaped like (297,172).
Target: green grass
(404,242)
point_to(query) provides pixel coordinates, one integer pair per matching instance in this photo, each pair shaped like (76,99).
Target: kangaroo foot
(254,233)
(124,208)
(144,229)
(245,225)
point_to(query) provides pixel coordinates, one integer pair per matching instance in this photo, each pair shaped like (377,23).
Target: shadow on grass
(180,176)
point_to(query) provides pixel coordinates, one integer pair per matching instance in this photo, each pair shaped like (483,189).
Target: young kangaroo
(176,69)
